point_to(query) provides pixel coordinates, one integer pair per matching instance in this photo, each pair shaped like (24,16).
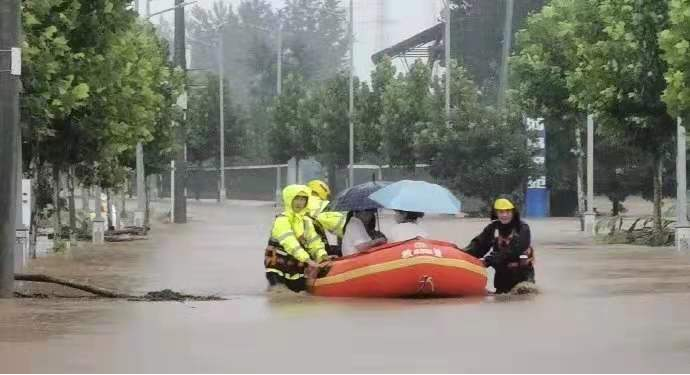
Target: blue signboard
(537,199)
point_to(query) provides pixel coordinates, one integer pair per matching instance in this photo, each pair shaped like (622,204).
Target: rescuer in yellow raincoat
(294,244)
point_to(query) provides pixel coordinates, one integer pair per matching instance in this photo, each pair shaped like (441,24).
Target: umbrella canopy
(417,196)
(356,198)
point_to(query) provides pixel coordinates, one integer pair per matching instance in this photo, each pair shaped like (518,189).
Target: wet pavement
(601,308)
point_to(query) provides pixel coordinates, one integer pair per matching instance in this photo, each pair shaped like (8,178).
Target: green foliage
(96,82)
(480,152)
(294,116)
(314,44)
(642,231)
(620,69)
(315,35)
(612,58)
(675,42)
(407,109)
(332,121)
(203,122)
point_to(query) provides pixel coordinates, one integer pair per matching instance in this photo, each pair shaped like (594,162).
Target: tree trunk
(84,199)
(123,209)
(109,210)
(297,176)
(332,179)
(147,206)
(658,175)
(36,166)
(72,207)
(56,201)
(580,172)
(72,284)
(616,207)
(163,295)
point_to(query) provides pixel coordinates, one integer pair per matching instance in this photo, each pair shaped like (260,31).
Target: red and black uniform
(504,244)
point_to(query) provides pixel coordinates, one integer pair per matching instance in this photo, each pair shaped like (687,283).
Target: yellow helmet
(503,204)
(320,188)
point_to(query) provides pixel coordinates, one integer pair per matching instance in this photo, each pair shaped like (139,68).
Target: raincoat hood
(316,205)
(290,193)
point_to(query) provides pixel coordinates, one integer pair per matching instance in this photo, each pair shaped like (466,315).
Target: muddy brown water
(601,308)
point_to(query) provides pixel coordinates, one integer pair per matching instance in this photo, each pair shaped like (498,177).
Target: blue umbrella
(356,198)
(417,196)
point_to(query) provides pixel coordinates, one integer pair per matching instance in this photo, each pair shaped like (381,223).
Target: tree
(368,112)
(249,46)
(477,39)
(69,38)
(314,44)
(620,75)
(406,110)
(204,123)
(675,43)
(294,114)
(546,52)
(97,80)
(315,38)
(332,124)
(480,152)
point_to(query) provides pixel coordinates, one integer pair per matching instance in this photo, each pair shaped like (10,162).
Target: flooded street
(604,308)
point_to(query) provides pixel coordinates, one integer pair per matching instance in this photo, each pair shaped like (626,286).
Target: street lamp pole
(590,216)
(352,104)
(682,227)
(446,42)
(221,56)
(179,199)
(178,5)
(279,78)
(505,55)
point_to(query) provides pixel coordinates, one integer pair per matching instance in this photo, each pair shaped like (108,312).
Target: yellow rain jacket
(331,221)
(295,232)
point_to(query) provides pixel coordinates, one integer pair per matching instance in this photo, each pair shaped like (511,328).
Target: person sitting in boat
(325,221)
(507,241)
(407,226)
(294,244)
(360,232)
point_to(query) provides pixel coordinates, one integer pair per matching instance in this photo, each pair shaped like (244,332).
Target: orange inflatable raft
(417,267)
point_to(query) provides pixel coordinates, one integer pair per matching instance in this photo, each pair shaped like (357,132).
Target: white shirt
(405,231)
(355,234)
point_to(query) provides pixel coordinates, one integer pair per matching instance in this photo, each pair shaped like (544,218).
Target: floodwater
(601,308)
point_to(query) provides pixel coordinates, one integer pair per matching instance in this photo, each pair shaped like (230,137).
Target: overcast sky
(403,18)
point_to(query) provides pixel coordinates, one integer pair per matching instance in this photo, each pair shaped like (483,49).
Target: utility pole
(351,112)
(10,70)
(507,39)
(221,103)
(590,216)
(446,43)
(682,227)
(279,79)
(180,201)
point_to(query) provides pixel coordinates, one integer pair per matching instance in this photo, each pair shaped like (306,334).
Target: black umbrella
(356,198)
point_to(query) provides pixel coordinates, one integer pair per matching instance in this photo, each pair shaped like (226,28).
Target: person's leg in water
(297,286)
(507,278)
